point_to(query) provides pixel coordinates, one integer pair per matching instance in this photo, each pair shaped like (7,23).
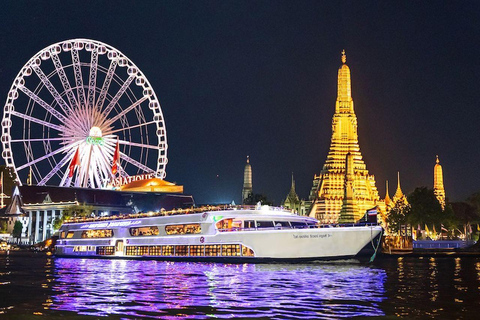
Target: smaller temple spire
(247,181)
(387,196)
(292,189)
(344,57)
(399,196)
(438,183)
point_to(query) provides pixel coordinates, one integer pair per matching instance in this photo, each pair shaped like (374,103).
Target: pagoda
(329,188)
(399,196)
(247,181)
(438,183)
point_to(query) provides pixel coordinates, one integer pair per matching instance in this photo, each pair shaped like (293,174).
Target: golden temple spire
(399,196)
(438,183)
(344,94)
(387,196)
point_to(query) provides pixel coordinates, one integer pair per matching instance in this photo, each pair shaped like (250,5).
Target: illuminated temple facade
(334,184)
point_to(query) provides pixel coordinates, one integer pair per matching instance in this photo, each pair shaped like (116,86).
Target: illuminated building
(349,211)
(292,201)
(399,196)
(328,191)
(247,181)
(438,183)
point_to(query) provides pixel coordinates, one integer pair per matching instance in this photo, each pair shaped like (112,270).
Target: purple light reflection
(201,290)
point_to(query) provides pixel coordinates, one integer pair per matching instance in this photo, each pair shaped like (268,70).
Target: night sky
(258,78)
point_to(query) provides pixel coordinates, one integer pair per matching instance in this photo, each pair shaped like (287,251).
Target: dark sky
(258,78)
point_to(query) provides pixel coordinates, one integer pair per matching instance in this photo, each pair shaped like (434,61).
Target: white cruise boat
(213,234)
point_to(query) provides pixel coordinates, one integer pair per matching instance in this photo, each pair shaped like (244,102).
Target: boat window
(167,250)
(100,233)
(105,251)
(312,224)
(298,224)
(183,229)
(264,224)
(224,225)
(212,250)
(247,252)
(70,234)
(181,250)
(249,224)
(230,250)
(282,225)
(192,228)
(144,231)
(197,250)
(62,235)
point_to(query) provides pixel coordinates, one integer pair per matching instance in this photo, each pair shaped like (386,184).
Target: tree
(425,208)
(3,226)
(397,217)
(75,211)
(253,199)
(17,230)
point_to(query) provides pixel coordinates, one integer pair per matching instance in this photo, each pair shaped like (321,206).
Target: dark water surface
(37,286)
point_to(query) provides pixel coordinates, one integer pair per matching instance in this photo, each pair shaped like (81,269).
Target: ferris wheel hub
(95,132)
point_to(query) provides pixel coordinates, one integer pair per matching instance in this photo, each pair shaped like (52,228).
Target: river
(33,285)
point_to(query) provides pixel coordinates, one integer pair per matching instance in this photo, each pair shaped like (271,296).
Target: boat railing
(316,226)
(164,213)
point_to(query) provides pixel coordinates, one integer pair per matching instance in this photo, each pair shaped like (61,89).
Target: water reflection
(430,287)
(410,287)
(200,290)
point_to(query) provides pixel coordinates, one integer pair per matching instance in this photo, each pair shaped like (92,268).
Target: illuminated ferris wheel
(80,113)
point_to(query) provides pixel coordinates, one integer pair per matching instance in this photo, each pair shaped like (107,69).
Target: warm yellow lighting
(329,188)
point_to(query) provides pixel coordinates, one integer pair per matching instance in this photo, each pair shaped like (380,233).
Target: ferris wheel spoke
(42,103)
(40,140)
(106,84)
(92,78)
(125,111)
(131,127)
(51,154)
(32,119)
(119,94)
(140,145)
(78,77)
(55,169)
(63,105)
(63,78)
(134,162)
(103,161)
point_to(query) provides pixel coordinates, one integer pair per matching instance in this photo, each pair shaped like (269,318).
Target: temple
(329,188)
(438,183)
(247,181)
(399,196)
(293,202)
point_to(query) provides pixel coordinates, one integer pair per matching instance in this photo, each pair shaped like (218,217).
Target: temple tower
(399,196)
(438,183)
(328,191)
(388,201)
(247,181)
(293,202)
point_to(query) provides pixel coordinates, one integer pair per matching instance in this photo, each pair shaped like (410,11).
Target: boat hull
(288,245)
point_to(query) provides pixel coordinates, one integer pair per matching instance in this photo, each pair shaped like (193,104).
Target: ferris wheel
(80,113)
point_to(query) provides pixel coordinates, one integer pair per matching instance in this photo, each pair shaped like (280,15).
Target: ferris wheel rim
(9,108)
